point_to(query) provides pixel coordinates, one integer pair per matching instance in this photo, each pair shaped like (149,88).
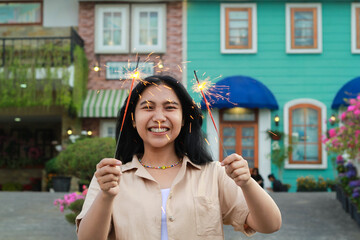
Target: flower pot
(338,193)
(276,137)
(344,201)
(352,210)
(357,217)
(61,184)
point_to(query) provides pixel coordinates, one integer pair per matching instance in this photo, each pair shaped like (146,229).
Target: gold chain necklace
(161,167)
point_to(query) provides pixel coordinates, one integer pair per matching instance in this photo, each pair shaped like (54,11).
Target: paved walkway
(306,216)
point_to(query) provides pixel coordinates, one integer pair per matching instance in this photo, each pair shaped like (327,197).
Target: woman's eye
(147,107)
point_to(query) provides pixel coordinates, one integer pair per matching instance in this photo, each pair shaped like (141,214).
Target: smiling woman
(166,180)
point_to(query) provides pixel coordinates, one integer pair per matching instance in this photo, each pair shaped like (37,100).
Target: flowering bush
(309,184)
(355,196)
(72,201)
(345,139)
(348,180)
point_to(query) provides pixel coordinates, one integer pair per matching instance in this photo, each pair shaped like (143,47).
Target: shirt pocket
(208,217)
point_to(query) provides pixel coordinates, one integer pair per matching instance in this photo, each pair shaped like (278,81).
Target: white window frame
(354,28)
(99,10)
(135,30)
(322,106)
(289,6)
(104,125)
(253,48)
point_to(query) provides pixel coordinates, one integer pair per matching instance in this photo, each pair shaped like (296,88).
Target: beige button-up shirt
(202,198)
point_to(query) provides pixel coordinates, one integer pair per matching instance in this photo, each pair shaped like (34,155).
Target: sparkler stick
(134,76)
(209,111)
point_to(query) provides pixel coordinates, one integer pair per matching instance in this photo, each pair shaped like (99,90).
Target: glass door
(241,139)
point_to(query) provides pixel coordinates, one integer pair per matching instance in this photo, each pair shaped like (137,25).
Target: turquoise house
(277,66)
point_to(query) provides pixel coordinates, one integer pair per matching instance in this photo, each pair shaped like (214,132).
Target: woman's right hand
(108,175)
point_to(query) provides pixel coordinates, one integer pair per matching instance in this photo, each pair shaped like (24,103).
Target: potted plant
(80,158)
(73,202)
(275,134)
(58,172)
(278,154)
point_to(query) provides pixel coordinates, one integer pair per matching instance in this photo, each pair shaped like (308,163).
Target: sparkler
(134,76)
(201,87)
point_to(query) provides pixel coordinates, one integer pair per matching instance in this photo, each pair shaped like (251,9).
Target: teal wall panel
(288,76)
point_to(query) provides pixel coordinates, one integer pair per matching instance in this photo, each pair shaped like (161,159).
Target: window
(303,28)
(149,29)
(304,120)
(355,27)
(238,28)
(108,128)
(113,28)
(24,13)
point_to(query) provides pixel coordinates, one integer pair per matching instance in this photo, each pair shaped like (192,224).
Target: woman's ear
(182,123)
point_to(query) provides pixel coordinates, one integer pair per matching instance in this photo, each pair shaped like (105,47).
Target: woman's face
(158,116)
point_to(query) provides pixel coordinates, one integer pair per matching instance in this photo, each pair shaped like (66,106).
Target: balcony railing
(39,51)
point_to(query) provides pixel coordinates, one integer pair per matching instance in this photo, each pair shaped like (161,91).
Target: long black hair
(190,141)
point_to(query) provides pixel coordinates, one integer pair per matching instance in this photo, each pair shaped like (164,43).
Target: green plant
(310,184)
(330,183)
(75,208)
(279,153)
(81,75)
(12,186)
(345,139)
(80,158)
(20,86)
(73,202)
(50,166)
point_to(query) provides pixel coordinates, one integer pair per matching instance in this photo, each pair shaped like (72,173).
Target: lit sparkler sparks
(213,92)
(135,75)
(203,86)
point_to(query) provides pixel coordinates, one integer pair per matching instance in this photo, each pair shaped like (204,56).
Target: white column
(264,145)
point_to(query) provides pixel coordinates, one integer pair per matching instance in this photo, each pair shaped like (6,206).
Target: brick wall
(172,59)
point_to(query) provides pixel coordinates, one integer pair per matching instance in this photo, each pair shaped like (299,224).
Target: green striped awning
(103,103)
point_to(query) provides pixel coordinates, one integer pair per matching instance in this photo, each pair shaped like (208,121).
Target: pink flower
(352,101)
(335,143)
(343,116)
(332,132)
(84,192)
(357,112)
(351,108)
(357,133)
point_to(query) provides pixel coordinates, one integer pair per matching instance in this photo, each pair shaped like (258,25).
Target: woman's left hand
(237,168)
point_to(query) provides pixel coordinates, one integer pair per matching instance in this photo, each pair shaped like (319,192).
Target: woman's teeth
(157,130)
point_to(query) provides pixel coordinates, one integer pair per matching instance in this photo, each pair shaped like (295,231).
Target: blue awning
(350,90)
(241,91)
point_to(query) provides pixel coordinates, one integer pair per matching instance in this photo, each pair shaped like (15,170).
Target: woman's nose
(159,116)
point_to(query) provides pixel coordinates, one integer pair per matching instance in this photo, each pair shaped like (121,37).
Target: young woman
(166,185)
(257,177)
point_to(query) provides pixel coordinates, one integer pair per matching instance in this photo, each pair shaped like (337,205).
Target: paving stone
(306,216)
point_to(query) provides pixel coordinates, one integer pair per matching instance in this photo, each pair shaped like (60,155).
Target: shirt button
(171,218)
(170,196)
